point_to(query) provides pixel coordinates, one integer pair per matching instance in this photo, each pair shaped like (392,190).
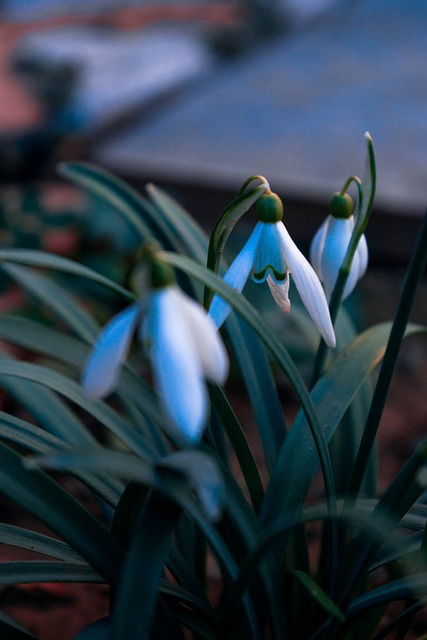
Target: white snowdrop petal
(177,370)
(358,267)
(309,287)
(334,251)
(102,368)
(316,247)
(206,338)
(236,276)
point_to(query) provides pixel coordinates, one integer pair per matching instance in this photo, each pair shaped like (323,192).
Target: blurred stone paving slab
(296,111)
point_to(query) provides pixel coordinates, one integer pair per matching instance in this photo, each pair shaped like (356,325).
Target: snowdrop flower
(330,243)
(271,255)
(183,345)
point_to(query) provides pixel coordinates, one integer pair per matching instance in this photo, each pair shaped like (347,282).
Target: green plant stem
(412,279)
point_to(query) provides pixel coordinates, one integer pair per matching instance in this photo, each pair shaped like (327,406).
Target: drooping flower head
(271,255)
(330,243)
(183,346)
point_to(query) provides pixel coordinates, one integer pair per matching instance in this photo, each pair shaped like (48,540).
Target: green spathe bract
(201,535)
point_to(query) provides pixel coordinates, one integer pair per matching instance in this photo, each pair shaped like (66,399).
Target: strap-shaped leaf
(16,572)
(34,258)
(71,390)
(131,467)
(134,208)
(34,541)
(52,343)
(117,194)
(332,396)
(318,594)
(60,302)
(414,586)
(48,502)
(38,441)
(139,583)
(182,224)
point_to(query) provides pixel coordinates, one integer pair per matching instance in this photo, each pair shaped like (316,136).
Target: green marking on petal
(260,276)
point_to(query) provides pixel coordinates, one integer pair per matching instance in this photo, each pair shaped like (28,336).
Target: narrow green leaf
(33,258)
(414,586)
(112,190)
(407,486)
(398,331)
(284,360)
(182,223)
(332,395)
(34,541)
(42,339)
(48,409)
(240,445)
(133,468)
(261,387)
(138,588)
(317,593)
(37,493)
(203,474)
(36,440)
(71,390)
(19,572)
(54,344)
(56,299)
(148,220)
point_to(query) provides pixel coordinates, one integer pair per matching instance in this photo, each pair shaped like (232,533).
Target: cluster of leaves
(170,511)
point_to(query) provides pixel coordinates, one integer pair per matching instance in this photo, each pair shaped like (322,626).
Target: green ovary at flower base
(183,345)
(271,255)
(330,244)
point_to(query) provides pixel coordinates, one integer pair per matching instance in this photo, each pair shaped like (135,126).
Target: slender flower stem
(412,279)
(358,183)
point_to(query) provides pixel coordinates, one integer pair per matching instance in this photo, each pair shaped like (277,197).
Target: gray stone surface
(296,111)
(119,71)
